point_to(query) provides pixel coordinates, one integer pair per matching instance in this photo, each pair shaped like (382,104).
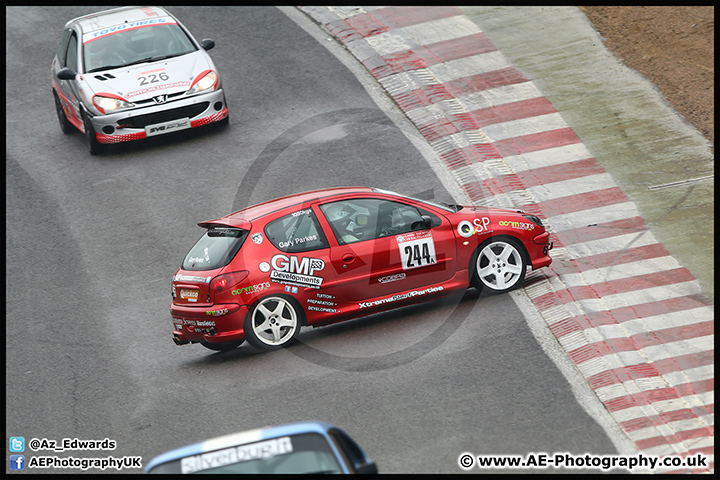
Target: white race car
(133,72)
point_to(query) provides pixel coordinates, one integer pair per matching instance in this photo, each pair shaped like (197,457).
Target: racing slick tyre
(222,347)
(498,264)
(65,125)
(273,322)
(94,146)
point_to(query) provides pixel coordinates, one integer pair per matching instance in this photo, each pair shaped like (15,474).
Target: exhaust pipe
(180,341)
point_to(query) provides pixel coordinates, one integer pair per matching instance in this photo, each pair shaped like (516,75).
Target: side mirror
(66,74)
(207,44)
(425,224)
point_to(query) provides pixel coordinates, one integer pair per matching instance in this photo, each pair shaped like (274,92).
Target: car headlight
(533,219)
(106,103)
(205,81)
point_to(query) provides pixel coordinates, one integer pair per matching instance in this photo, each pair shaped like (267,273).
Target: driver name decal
(417,249)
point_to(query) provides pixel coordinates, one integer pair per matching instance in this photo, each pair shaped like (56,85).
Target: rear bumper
(211,323)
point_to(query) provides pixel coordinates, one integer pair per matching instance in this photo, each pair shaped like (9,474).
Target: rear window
(296,232)
(215,249)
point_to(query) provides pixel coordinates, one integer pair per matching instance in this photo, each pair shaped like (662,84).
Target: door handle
(348,257)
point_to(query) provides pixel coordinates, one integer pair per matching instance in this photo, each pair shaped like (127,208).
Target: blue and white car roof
(249,436)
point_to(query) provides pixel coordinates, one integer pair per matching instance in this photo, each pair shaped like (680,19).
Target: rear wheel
(274,322)
(499,265)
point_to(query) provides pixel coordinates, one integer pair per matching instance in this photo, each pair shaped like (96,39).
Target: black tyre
(273,322)
(94,146)
(65,125)
(499,264)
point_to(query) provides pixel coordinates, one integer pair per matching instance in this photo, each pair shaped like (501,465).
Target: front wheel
(499,265)
(274,322)
(94,146)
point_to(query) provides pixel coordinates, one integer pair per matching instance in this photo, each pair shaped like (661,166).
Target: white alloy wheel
(500,266)
(272,323)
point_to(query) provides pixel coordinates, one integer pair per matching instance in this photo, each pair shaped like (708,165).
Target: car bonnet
(139,82)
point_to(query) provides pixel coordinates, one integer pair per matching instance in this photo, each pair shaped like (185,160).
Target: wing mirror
(424,224)
(207,44)
(66,74)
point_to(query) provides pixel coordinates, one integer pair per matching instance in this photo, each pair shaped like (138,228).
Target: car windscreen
(306,453)
(215,248)
(135,45)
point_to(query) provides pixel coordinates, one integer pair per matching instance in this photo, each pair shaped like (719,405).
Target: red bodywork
(337,281)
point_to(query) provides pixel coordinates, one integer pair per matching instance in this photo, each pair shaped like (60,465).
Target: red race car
(321,257)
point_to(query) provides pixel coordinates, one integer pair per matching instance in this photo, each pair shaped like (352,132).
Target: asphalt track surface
(92,243)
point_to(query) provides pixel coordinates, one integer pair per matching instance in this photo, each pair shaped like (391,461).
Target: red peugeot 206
(321,257)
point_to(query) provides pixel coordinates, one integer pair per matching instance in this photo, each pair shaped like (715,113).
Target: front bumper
(542,246)
(212,323)
(139,123)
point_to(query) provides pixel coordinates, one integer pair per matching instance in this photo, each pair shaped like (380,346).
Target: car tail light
(226,281)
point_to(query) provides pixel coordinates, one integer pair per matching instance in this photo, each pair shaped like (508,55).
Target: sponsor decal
(292,270)
(189,295)
(190,278)
(307,211)
(477,227)
(327,303)
(199,323)
(314,308)
(242,453)
(217,313)
(401,296)
(168,127)
(290,289)
(127,26)
(517,225)
(417,249)
(252,288)
(257,238)
(325,295)
(392,278)
(155,88)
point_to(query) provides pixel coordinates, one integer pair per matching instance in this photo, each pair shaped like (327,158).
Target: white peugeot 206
(133,72)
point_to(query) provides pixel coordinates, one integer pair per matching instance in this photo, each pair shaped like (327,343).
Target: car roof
(242,438)
(242,217)
(116,16)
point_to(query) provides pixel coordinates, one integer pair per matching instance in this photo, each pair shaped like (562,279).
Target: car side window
(296,232)
(62,50)
(71,54)
(361,219)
